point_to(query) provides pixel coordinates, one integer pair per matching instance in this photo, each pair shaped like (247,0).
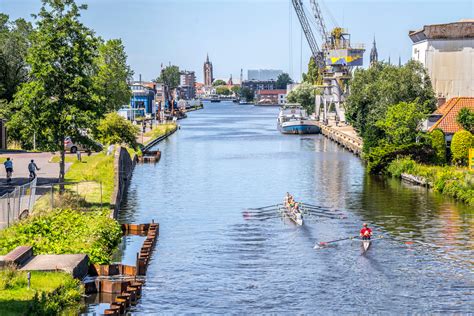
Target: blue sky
(247,34)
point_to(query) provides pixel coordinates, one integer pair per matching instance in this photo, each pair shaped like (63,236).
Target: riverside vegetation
(386,106)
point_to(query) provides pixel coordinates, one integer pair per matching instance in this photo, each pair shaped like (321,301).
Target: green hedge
(439,145)
(455,182)
(66,231)
(460,144)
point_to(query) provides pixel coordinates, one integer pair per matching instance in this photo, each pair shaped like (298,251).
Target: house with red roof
(271,97)
(445,116)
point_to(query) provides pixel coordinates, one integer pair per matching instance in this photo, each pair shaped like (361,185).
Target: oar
(264,207)
(324,243)
(312,205)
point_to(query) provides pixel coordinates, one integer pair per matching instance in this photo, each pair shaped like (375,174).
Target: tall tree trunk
(61,168)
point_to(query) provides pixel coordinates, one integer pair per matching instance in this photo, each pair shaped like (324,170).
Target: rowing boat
(296,217)
(366,244)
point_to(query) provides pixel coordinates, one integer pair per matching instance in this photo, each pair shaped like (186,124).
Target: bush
(460,144)
(439,145)
(455,182)
(465,118)
(66,295)
(380,157)
(115,129)
(66,231)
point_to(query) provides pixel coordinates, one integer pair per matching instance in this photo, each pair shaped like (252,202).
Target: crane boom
(317,54)
(319,21)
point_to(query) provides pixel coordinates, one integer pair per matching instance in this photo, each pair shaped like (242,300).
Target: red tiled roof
(271,92)
(450,111)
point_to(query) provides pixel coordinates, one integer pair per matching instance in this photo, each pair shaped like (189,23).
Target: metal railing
(17,204)
(28,198)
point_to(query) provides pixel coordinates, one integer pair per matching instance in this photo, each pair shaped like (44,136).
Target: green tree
(460,144)
(303,94)
(112,75)
(247,94)
(115,129)
(401,123)
(218,82)
(60,99)
(235,90)
(313,75)
(375,89)
(438,143)
(465,118)
(222,90)
(14,43)
(169,76)
(283,80)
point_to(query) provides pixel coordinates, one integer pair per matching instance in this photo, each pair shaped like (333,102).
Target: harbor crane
(335,61)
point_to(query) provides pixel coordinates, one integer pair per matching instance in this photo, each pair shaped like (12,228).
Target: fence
(29,197)
(17,204)
(75,195)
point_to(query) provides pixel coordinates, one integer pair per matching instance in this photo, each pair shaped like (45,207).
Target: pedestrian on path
(32,167)
(9,169)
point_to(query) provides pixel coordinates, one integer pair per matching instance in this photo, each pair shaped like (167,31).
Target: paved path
(49,172)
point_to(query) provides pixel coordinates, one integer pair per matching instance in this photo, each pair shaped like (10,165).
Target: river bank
(457,183)
(80,222)
(451,181)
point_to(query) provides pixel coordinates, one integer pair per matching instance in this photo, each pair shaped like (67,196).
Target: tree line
(58,78)
(387,106)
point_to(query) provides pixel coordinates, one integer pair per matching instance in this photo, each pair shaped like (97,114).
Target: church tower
(374,56)
(208,76)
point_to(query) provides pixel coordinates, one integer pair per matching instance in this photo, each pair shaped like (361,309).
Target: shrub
(460,144)
(380,157)
(465,118)
(66,231)
(66,295)
(114,129)
(439,145)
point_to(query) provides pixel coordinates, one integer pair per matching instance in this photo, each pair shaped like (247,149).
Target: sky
(248,34)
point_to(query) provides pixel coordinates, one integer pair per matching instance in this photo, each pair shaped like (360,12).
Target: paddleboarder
(365,232)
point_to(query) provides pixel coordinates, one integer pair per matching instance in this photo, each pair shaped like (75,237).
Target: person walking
(9,169)
(32,167)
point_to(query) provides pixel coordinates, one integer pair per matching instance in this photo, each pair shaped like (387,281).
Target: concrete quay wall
(352,143)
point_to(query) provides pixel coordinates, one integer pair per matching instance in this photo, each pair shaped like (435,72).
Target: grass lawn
(15,297)
(98,170)
(160,130)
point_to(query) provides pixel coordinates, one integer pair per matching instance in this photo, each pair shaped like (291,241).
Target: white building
(263,74)
(447,52)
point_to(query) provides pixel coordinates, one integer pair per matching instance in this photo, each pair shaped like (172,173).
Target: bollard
(29,279)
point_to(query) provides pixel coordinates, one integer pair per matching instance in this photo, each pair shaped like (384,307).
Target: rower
(365,232)
(296,208)
(287,199)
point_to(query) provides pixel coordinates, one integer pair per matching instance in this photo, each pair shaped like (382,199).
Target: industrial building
(187,82)
(143,97)
(263,74)
(255,85)
(447,52)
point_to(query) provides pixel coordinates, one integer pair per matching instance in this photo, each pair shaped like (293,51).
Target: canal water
(213,256)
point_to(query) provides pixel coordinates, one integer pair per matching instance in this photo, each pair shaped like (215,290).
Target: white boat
(366,244)
(296,217)
(293,119)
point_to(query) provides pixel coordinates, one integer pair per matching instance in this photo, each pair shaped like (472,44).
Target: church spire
(374,56)
(207,58)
